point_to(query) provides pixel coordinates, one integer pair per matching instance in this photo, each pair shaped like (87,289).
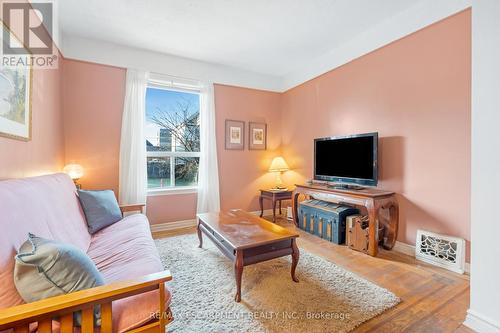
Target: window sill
(172,191)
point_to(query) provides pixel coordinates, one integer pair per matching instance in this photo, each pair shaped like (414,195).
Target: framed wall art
(257,136)
(15,101)
(235,134)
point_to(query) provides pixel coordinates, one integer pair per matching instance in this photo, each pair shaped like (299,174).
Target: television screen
(350,159)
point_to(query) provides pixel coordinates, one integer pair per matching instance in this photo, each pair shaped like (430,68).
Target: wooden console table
(372,199)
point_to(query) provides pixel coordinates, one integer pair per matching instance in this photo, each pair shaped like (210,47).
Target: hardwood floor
(433,299)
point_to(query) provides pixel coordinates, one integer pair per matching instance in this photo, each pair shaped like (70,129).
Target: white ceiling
(271,37)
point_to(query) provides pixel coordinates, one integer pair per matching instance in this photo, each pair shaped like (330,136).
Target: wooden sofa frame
(42,312)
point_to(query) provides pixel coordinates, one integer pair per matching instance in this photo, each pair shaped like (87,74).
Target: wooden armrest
(132,208)
(68,303)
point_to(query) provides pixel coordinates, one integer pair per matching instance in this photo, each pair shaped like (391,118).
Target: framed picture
(15,101)
(235,134)
(257,136)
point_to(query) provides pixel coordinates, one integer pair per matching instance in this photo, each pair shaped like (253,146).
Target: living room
(193,155)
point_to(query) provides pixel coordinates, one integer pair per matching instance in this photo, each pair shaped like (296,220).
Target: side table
(274,196)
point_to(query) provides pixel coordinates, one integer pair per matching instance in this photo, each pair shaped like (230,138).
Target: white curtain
(133,172)
(208,175)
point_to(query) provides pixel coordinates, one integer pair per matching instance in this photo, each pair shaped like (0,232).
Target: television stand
(373,200)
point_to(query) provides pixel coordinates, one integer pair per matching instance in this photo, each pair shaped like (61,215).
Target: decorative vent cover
(440,250)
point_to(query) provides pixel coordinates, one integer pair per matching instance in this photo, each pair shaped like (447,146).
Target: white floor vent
(440,250)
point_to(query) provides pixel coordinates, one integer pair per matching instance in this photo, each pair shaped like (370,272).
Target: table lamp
(278,165)
(75,171)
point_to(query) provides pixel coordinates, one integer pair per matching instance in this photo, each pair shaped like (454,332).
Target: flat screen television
(350,159)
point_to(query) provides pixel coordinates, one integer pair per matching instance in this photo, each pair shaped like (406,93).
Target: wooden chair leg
(169,316)
(161,290)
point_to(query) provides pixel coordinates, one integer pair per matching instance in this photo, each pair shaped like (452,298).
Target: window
(172,130)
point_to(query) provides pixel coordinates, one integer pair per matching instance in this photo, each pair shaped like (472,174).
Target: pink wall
(172,207)
(93,98)
(416,93)
(244,172)
(93,102)
(45,152)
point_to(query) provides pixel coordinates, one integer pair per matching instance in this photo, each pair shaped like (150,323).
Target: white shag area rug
(328,298)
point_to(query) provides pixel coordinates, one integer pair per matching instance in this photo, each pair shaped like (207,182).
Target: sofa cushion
(123,251)
(46,268)
(46,206)
(101,209)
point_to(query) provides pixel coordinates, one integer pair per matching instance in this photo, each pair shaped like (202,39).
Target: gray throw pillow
(101,209)
(46,268)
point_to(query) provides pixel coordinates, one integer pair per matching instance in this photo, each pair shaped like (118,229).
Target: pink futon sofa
(48,207)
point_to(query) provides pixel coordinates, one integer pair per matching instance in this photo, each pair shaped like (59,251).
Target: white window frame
(157,81)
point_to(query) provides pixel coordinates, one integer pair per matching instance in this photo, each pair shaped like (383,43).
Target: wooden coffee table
(247,239)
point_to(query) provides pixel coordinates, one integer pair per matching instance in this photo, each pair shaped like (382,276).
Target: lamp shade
(278,164)
(75,171)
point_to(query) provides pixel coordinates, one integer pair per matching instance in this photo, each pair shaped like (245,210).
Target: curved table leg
(295,259)
(391,231)
(238,273)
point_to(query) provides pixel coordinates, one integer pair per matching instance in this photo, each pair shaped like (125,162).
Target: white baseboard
(169,226)
(267,212)
(174,225)
(409,250)
(480,323)
(404,248)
